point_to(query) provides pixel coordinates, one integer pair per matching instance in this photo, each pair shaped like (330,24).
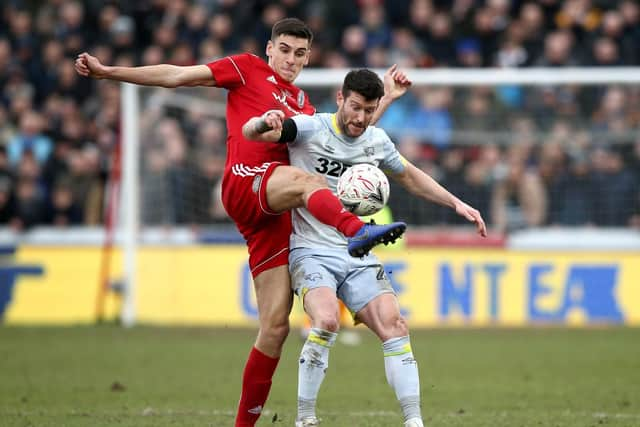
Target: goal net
(527,147)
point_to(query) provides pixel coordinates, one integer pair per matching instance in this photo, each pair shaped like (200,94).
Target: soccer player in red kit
(259,187)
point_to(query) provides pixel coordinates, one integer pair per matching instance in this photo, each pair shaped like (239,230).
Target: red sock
(326,207)
(256,383)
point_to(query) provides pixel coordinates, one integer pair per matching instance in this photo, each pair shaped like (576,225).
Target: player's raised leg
(382,316)
(274,300)
(289,187)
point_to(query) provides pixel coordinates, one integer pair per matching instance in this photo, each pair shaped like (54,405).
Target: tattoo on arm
(261,127)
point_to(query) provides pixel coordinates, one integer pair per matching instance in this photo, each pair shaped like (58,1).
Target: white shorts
(356,281)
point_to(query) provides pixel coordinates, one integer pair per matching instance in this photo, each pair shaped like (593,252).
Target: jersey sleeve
(393,162)
(231,71)
(306,127)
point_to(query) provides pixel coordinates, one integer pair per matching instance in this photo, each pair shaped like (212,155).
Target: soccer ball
(363,189)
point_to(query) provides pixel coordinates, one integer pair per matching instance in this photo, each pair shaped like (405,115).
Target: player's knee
(394,327)
(327,322)
(275,331)
(316,181)
(313,182)
(296,174)
(400,327)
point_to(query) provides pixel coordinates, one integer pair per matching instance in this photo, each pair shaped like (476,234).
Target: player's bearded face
(355,113)
(288,55)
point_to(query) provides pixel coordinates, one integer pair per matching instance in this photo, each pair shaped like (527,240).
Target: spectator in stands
(550,165)
(468,53)
(634,166)
(478,116)
(63,211)
(558,50)
(605,53)
(630,11)
(6,172)
(431,118)
(420,16)
(84,180)
(486,34)
(373,19)
(156,207)
(29,139)
(478,185)
(441,45)
(452,177)
(354,44)
(519,199)
(195,30)
(29,204)
(532,22)
(575,194)
(7,202)
(615,189)
(612,115)
(7,130)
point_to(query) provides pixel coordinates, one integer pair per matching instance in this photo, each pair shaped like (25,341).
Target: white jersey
(321,148)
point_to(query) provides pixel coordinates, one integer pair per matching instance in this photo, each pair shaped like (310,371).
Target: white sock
(314,361)
(402,375)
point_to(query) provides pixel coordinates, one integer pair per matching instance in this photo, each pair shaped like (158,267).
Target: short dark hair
(365,82)
(291,27)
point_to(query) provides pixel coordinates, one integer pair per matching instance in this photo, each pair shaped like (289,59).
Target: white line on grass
(362,414)
(502,414)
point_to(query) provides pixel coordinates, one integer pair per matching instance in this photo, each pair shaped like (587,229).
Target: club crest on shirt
(300,99)
(369,151)
(272,79)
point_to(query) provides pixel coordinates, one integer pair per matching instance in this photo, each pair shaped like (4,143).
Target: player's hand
(472,215)
(273,120)
(89,66)
(396,82)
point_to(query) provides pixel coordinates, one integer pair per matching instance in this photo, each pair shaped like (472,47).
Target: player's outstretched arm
(164,75)
(422,185)
(267,127)
(396,84)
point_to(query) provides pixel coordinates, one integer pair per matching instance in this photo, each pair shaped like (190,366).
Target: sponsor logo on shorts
(312,277)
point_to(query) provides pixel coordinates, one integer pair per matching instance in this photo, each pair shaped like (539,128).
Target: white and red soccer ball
(363,189)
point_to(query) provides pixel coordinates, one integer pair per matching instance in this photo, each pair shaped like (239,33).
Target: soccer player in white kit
(320,266)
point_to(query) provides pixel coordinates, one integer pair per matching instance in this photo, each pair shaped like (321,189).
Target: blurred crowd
(557,155)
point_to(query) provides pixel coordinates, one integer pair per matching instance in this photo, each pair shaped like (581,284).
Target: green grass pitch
(147,376)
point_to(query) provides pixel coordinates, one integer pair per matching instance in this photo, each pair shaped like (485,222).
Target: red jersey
(254,88)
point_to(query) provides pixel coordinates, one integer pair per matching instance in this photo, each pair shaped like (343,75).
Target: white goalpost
(134,104)
(130,199)
(488,76)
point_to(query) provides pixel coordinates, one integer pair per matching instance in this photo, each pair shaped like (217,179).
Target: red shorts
(244,195)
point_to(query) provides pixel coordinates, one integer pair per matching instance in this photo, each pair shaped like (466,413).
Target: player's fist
(89,66)
(273,120)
